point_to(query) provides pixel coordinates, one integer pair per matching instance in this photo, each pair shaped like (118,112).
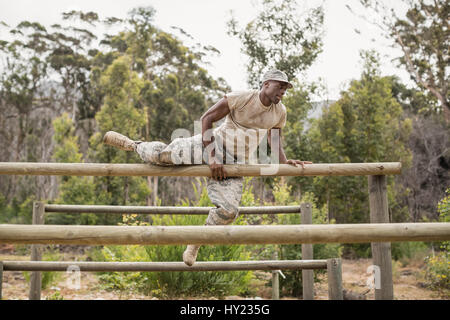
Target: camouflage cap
(276,75)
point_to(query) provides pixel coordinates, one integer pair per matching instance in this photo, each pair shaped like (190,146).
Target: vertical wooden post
(307,254)
(334,269)
(36,253)
(155,190)
(1,279)
(381,251)
(149,185)
(275,280)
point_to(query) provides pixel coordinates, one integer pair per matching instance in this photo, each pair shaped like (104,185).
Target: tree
(364,125)
(422,35)
(424,38)
(22,91)
(69,48)
(122,88)
(424,183)
(72,189)
(43,67)
(178,89)
(277,39)
(24,70)
(59,53)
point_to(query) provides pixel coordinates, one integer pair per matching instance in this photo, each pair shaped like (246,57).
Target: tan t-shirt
(247,123)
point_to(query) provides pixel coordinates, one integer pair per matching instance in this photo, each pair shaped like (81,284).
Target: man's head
(274,85)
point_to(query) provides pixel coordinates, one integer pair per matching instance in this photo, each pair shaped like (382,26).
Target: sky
(206,20)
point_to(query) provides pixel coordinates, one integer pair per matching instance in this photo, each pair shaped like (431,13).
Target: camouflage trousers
(224,194)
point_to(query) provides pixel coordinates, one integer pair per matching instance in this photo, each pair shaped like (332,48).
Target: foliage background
(62,87)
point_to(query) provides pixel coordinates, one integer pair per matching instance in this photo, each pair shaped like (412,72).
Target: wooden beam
(261,234)
(164,210)
(165,266)
(106,169)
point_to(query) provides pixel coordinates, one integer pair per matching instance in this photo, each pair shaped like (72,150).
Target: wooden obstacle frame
(379,232)
(36,266)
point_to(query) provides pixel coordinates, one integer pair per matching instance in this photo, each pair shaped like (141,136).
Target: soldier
(248,114)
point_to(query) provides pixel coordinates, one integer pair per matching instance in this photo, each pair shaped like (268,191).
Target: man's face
(275,90)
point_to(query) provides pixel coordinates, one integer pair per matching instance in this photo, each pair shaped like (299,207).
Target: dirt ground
(408,284)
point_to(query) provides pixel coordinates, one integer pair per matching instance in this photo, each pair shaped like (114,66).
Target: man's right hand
(217,170)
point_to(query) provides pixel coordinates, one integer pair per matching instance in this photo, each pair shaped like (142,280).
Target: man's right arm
(215,113)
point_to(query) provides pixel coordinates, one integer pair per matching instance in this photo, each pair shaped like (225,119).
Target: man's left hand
(298,162)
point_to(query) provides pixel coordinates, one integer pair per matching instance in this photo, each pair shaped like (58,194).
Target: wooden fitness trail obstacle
(333,267)
(165,266)
(40,209)
(215,235)
(106,169)
(379,232)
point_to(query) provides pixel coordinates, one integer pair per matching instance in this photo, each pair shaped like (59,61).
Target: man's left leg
(226,196)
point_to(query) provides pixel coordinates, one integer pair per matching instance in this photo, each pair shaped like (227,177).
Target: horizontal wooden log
(104,169)
(165,266)
(261,234)
(164,210)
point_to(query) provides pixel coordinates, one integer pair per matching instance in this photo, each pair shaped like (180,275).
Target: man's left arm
(282,155)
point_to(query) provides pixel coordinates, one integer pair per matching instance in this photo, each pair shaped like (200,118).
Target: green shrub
(171,284)
(437,271)
(198,283)
(437,267)
(444,207)
(406,251)
(55,296)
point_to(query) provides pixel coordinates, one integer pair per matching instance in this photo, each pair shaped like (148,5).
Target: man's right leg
(226,196)
(149,152)
(180,151)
